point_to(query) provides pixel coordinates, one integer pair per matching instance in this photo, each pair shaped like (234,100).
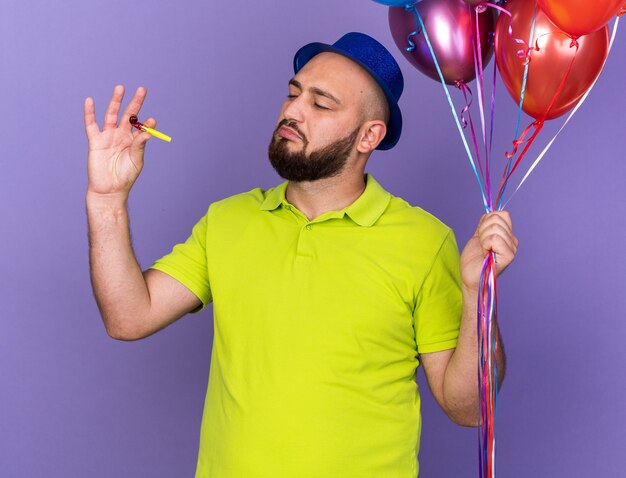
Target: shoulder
(415,222)
(243,200)
(247,202)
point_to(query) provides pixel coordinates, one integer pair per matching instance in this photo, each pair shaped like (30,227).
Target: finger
(500,217)
(496,230)
(506,217)
(504,255)
(91,126)
(498,244)
(150,123)
(110,117)
(133,107)
(139,143)
(495,218)
(140,140)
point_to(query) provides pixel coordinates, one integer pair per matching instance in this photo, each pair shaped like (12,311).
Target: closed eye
(314,91)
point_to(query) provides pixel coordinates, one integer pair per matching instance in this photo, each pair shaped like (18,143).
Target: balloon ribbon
(537,125)
(573,112)
(487,303)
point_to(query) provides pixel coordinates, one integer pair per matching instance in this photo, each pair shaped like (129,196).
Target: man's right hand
(132,304)
(115,153)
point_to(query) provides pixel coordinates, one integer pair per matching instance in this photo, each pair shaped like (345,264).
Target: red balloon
(549,65)
(580,17)
(450,25)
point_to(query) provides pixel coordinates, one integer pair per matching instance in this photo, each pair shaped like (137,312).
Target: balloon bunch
(549,54)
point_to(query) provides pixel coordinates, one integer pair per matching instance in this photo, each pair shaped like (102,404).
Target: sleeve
(439,304)
(187,263)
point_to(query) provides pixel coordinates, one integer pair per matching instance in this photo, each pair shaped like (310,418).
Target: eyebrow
(316,91)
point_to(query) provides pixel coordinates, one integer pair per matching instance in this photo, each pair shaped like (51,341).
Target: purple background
(76,403)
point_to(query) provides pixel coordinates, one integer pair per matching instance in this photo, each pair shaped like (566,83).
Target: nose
(293,109)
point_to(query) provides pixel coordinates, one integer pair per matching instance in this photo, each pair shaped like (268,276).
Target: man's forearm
(461,378)
(117,279)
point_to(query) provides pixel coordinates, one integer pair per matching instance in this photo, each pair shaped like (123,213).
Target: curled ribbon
(467,95)
(411,46)
(461,85)
(409,8)
(522,53)
(519,141)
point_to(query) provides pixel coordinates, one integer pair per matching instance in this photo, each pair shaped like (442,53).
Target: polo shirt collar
(275,197)
(365,211)
(370,205)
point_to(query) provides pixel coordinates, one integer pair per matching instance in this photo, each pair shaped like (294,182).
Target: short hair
(376,106)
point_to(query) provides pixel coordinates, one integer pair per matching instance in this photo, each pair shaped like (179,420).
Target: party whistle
(142,127)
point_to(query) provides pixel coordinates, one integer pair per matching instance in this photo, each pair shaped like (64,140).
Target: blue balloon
(396,3)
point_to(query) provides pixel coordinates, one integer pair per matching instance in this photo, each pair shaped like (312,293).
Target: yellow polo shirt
(318,327)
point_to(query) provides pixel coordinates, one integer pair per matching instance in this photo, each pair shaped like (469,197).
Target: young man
(328,291)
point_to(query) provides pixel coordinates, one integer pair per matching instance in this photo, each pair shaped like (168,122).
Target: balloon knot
(524,55)
(410,5)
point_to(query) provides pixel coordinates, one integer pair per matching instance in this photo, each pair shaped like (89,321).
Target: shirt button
(308,227)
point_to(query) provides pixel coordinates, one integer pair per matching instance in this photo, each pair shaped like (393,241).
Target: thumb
(139,142)
(480,223)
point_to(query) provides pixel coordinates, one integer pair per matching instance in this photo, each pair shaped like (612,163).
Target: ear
(372,133)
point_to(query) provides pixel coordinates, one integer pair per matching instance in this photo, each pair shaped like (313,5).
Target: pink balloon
(450,25)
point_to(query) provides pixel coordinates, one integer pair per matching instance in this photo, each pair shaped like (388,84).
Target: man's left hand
(494,233)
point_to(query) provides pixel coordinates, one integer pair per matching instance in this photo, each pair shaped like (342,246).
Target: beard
(323,163)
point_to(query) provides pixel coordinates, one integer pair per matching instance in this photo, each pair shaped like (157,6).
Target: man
(328,291)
